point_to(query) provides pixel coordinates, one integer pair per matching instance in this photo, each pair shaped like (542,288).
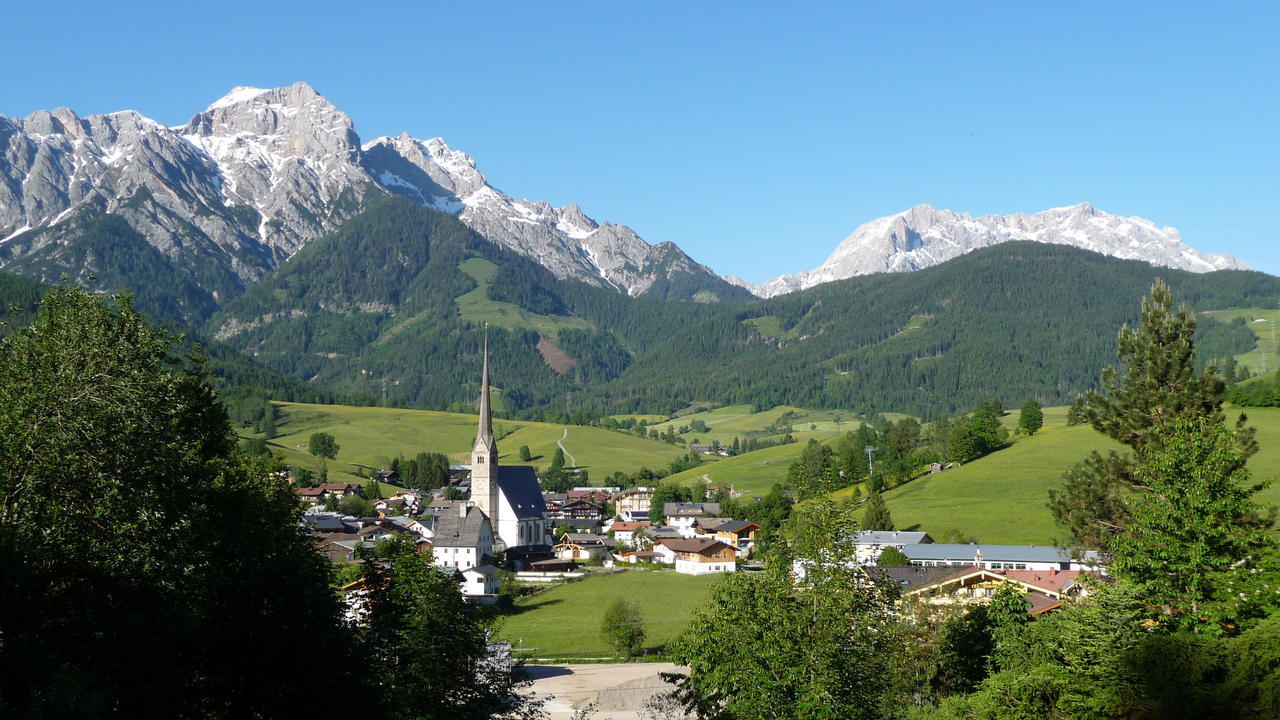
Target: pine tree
(1160,387)
(876,516)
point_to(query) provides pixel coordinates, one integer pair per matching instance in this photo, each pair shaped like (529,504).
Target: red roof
(1048,580)
(624,526)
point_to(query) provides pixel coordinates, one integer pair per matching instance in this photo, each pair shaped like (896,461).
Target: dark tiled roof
(911,577)
(519,484)
(734,526)
(454,531)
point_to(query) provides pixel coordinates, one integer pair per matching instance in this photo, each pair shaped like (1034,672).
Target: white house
(700,556)
(682,516)
(463,538)
(633,505)
(481,580)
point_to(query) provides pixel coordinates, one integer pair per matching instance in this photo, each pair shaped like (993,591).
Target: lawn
(370,437)
(753,473)
(564,621)
(726,423)
(1001,498)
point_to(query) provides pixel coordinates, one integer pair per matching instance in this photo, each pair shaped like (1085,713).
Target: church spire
(484,454)
(485,431)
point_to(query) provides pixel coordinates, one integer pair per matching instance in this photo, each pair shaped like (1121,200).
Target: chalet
(639,556)
(708,525)
(999,557)
(310,495)
(387,476)
(340,547)
(681,516)
(374,533)
(581,546)
(704,448)
(583,510)
(870,543)
(325,524)
(624,533)
(699,556)
(634,504)
(341,490)
(738,534)
(951,585)
(463,539)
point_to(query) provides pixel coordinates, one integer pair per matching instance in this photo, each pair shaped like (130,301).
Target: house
(999,557)
(704,448)
(325,524)
(387,476)
(639,556)
(581,546)
(699,556)
(342,490)
(310,495)
(870,543)
(374,533)
(480,582)
(681,516)
(463,539)
(583,510)
(555,503)
(633,504)
(624,533)
(340,547)
(708,525)
(968,585)
(738,534)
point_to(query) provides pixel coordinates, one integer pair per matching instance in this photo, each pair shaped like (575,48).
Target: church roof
(519,484)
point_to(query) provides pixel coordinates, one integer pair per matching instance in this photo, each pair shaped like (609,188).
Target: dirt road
(618,689)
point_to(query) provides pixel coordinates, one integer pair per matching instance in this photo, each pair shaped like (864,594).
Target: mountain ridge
(923,236)
(261,172)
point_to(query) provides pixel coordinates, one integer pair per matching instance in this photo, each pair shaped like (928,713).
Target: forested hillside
(1022,320)
(396,302)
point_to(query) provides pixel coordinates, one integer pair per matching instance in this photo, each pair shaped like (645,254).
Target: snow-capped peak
(922,236)
(238,94)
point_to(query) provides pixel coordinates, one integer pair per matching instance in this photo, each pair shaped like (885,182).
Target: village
(508,525)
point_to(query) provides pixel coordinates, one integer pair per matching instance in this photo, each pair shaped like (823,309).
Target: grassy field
(1001,498)
(1265,357)
(753,473)
(564,621)
(370,437)
(726,423)
(476,306)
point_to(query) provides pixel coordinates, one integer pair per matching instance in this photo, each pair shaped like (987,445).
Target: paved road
(618,689)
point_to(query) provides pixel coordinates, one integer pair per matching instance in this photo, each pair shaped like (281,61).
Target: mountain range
(311,263)
(218,203)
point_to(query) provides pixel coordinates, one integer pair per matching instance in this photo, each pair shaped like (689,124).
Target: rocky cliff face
(262,172)
(924,236)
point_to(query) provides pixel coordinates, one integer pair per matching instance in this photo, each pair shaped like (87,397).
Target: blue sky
(754,135)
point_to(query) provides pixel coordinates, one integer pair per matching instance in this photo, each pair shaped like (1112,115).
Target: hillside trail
(573,462)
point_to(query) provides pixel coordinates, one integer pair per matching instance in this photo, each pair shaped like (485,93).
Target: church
(508,495)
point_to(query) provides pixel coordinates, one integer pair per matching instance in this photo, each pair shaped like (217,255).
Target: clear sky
(754,135)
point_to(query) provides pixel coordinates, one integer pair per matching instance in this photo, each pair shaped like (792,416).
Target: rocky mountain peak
(923,236)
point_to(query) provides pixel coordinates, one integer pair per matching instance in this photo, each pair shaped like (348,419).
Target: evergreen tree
(876,516)
(1030,418)
(525,455)
(1160,386)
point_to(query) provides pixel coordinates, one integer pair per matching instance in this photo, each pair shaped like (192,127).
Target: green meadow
(1265,357)
(564,621)
(1002,497)
(476,306)
(370,437)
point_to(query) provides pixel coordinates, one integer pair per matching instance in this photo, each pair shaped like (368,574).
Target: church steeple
(484,454)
